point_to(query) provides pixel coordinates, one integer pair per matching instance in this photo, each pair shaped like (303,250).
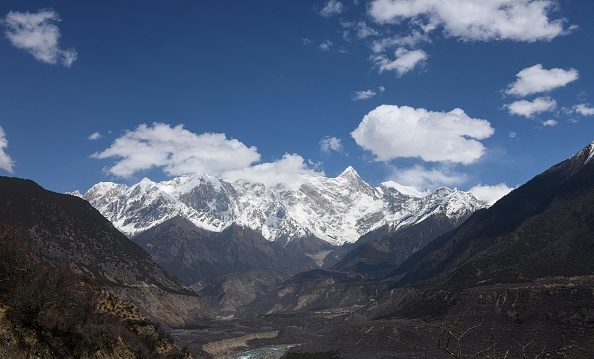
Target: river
(275,352)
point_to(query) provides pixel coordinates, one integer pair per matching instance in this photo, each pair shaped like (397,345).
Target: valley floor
(545,318)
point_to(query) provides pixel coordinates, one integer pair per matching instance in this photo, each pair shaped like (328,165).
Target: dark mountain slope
(357,276)
(66,229)
(171,244)
(544,228)
(201,258)
(229,268)
(382,250)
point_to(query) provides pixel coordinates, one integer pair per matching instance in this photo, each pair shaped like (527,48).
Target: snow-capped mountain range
(336,210)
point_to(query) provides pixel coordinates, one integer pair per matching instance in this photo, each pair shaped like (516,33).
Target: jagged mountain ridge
(337,210)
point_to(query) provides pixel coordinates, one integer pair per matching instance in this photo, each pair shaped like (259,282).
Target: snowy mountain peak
(350,177)
(336,210)
(349,172)
(583,157)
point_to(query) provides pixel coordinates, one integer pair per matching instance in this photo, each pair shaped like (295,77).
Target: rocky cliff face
(336,210)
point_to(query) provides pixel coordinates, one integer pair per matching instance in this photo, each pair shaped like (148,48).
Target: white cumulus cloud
(177,151)
(536,79)
(529,108)
(490,194)
(6,163)
(38,34)
(404,61)
(391,132)
(332,7)
(479,20)
(331,144)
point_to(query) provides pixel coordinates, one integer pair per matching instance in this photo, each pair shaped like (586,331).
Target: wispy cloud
(331,144)
(550,123)
(363,95)
(423,178)
(394,41)
(38,34)
(94,136)
(404,61)
(360,29)
(326,45)
(331,8)
(306,41)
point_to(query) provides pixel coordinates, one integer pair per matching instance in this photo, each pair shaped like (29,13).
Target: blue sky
(258,72)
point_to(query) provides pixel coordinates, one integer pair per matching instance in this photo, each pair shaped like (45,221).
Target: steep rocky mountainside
(66,229)
(336,210)
(200,258)
(542,229)
(379,252)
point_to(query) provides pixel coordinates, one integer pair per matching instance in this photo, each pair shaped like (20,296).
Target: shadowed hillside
(67,230)
(49,311)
